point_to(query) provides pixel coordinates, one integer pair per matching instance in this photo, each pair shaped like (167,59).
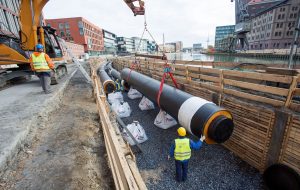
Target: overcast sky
(190,21)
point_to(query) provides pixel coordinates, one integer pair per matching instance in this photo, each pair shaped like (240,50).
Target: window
(282,16)
(279,17)
(67,25)
(80,24)
(276,33)
(291,15)
(277,25)
(277,45)
(281,25)
(60,25)
(81,31)
(68,32)
(62,34)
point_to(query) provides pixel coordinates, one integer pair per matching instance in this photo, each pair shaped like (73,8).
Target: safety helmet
(39,46)
(181,131)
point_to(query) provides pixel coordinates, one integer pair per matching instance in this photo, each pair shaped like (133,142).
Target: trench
(211,167)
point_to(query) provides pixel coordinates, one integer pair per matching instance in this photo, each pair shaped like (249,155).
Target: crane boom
(137,10)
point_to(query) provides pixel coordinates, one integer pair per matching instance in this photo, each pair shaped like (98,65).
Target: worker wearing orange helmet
(42,65)
(181,151)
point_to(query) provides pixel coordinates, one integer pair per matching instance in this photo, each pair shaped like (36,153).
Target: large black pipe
(108,84)
(116,75)
(197,115)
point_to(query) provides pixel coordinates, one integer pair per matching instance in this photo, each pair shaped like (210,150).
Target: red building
(79,31)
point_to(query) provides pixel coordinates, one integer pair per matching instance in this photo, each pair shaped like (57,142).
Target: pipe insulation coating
(108,84)
(196,115)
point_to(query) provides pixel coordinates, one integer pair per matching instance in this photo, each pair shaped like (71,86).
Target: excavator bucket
(137,10)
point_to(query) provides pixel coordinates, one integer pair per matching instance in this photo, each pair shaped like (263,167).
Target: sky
(189,21)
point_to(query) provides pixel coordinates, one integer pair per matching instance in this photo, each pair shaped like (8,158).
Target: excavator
(16,47)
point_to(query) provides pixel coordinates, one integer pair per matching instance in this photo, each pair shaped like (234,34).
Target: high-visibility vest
(182,149)
(40,63)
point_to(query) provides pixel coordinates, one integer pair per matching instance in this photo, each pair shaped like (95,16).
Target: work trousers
(45,79)
(181,170)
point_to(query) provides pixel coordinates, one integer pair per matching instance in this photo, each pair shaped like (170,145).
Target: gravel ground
(211,167)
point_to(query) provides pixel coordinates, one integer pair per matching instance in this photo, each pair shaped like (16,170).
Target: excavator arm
(30,15)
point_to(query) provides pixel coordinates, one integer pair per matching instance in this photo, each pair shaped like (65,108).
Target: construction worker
(42,65)
(181,151)
(119,86)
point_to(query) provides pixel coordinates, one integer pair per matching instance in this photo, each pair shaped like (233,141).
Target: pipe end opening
(221,129)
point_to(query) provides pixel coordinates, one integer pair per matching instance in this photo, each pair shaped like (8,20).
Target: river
(225,58)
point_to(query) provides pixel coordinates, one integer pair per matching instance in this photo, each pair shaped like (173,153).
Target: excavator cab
(52,45)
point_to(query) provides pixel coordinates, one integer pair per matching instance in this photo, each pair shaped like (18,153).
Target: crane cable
(167,69)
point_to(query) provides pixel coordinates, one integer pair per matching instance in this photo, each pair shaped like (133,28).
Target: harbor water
(227,58)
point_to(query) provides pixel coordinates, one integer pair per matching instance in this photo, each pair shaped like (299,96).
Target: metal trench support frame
(120,157)
(198,116)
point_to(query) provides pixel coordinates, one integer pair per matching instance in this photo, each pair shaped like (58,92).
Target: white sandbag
(122,109)
(137,132)
(164,120)
(134,94)
(146,104)
(116,96)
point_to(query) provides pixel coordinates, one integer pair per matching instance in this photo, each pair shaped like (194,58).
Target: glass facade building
(223,32)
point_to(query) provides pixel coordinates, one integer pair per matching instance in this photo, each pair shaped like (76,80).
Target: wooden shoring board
(257,87)
(247,137)
(123,172)
(257,98)
(246,155)
(290,153)
(259,115)
(259,76)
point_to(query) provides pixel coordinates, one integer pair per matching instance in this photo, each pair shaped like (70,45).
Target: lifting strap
(167,71)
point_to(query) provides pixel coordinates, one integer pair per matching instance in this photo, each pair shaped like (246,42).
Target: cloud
(191,21)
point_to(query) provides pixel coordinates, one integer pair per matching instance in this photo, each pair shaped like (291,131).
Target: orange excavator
(22,29)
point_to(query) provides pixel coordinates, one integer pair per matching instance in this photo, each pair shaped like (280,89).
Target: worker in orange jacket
(42,65)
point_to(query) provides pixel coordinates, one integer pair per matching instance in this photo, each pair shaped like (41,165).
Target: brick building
(79,31)
(274,28)
(77,50)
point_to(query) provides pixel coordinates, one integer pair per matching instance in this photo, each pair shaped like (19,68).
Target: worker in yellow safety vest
(181,151)
(42,65)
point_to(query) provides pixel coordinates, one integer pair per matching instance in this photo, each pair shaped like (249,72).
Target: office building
(223,32)
(110,42)
(197,47)
(79,31)
(151,47)
(125,45)
(274,28)
(140,45)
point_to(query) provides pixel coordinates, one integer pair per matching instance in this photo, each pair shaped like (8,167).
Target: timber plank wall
(265,107)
